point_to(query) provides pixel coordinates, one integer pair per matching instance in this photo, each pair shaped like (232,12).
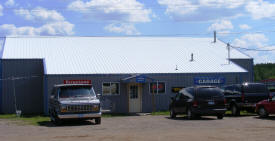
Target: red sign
(77,82)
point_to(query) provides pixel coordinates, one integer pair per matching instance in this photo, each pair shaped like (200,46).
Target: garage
(132,74)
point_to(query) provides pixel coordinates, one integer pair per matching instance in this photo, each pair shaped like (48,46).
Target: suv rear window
(255,88)
(205,93)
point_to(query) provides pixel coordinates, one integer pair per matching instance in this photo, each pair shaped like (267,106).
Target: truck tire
(262,112)
(172,113)
(98,120)
(54,119)
(220,116)
(189,113)
(235,110)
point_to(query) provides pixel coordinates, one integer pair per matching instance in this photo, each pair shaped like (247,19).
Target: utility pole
(228,49)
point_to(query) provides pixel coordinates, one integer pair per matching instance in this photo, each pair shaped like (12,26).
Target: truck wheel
(262,113)
(54,119)
(98,120)
(190,115)
(235,110)
(220,116)
(172,113)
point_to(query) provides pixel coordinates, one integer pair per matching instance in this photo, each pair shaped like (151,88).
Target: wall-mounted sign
(77,82)
(209,80)
(176,89)
(141,79)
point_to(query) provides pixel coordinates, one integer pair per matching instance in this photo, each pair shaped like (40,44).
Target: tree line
(264,71)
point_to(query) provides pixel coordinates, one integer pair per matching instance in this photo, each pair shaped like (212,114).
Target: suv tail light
(224,101)
(195,104)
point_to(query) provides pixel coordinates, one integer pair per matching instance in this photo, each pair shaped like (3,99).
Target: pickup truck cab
(74,101)
(266,107)
(244,96)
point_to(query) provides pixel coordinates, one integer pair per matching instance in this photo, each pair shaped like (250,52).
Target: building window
(157,87)
(110,88)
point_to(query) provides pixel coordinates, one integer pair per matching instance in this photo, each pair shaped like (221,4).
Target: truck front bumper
(79,116)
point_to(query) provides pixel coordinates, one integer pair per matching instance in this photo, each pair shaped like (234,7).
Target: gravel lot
(245,128)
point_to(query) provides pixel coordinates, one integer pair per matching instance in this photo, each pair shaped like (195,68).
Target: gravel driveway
(246,128)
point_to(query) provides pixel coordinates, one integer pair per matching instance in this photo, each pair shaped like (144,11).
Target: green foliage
(264,71)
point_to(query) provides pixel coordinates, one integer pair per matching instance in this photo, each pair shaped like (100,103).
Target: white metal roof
(116,55)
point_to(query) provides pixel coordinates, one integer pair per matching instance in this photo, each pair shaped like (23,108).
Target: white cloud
(56,28)
(261,9)
(244,27)
(1,10)
(10,3)
(53,23)
(39,14)
(202,10)
(128,29)
(113,10)
(221,25)
(256,40)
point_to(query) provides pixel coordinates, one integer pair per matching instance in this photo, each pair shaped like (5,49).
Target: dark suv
(244,96)
(198,101)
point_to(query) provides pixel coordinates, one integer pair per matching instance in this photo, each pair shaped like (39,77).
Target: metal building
(133,74)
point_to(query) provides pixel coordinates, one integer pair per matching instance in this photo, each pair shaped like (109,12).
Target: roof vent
(192,57)
(215,37)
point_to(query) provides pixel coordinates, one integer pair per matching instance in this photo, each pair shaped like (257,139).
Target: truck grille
(82,108)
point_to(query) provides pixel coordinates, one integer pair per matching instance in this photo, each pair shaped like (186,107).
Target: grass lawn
(27,119)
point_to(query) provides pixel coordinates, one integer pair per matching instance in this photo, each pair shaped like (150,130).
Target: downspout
(1,74)
(45,88)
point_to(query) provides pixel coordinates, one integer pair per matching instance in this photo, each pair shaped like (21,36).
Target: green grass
(160,113)
(26,119)
(108,115)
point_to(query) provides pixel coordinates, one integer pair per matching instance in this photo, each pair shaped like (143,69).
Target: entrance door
(135,93)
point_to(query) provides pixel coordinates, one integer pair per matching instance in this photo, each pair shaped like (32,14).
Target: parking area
(137,128)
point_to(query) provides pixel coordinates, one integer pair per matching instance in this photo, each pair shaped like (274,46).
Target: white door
(134,92)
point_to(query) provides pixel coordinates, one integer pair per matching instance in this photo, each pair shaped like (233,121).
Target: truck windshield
(79,91)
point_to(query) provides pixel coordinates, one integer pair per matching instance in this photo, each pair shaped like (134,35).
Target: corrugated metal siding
(28,91)
(247,64)
(120,102)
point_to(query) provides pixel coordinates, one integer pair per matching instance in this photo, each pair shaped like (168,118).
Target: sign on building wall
(141,79)
(208,80)
(176,89)
(77,82)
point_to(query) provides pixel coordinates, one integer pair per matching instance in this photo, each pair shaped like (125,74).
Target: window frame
(165,87)
(110,94)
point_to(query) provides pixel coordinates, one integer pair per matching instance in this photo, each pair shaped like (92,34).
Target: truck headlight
(95,107)
(63,108)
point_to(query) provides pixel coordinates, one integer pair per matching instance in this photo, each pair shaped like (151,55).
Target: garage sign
(209,80)
(77,82)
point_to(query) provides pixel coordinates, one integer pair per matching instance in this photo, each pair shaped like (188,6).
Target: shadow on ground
(267,118)
(242,115)
(67,123)
(196,118)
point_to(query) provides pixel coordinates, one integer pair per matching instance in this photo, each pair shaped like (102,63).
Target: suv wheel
(235,110)
(190,115)
(98,120)
(220,116)
(262,113)
(172,113)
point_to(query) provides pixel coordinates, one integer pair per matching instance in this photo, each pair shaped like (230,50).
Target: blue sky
(242,23)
